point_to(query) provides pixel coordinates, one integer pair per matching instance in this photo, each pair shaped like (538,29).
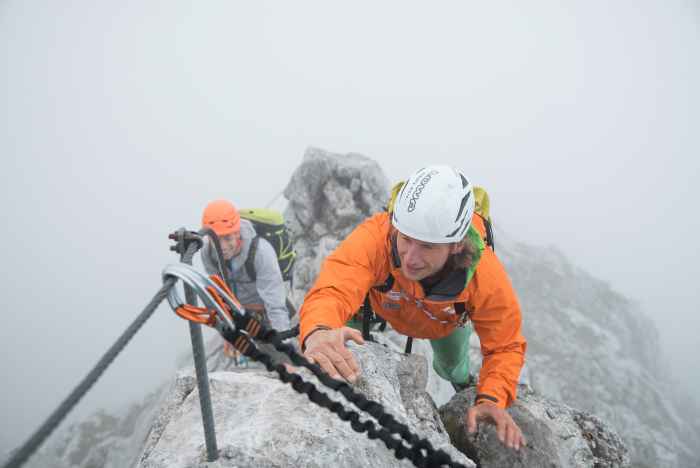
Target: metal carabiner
(199,284)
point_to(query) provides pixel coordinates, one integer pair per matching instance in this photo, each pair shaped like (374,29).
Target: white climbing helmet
(435,204)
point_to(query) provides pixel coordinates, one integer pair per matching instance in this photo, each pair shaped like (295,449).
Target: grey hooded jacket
(268,288)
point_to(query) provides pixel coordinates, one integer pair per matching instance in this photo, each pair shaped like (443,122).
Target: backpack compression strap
(250,261)
(489,233)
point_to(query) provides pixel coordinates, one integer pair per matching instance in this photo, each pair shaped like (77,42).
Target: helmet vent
(460,228)
(465,199)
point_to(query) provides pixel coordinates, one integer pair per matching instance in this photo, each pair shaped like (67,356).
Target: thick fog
(120,120)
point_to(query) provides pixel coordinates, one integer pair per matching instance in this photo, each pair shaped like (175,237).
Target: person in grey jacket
(265,295)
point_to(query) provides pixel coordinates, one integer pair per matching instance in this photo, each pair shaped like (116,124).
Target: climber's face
(230,245)
(419,259)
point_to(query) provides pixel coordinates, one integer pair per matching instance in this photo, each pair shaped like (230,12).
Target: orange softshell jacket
(364,261)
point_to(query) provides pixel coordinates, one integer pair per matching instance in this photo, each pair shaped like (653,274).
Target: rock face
(587,346)
(102,440)
(592,348)
(558,436)
(262,422)
(329,194)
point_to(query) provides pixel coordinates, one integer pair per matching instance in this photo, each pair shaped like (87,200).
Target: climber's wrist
(306,338)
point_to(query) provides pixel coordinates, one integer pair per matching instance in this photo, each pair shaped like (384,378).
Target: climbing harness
(223,312)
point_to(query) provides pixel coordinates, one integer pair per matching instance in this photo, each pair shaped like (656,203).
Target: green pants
(451,355)
(354,322)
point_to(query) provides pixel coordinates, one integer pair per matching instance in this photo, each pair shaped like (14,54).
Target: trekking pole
(183,238)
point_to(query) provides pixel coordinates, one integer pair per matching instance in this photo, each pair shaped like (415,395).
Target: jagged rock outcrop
(558,436)
(589,348)
(329,194)
(262,422)
(595,350)
(382,368)
(587,344)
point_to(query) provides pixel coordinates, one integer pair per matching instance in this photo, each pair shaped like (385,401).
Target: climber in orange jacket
(428,274)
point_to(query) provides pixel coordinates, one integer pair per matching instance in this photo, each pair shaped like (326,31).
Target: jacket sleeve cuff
(492,394)
(485,398)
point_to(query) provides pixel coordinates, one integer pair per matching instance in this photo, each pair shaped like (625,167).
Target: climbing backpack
(482,208)
(270,225)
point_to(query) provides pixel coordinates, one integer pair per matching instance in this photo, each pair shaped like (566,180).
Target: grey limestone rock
(263,422)
(557,436)
(329,194)
(588,347)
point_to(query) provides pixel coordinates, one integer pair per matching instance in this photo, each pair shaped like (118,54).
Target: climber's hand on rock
(508,431)
(327,349)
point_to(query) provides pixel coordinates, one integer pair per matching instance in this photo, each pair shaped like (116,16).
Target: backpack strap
(387,285)
(250,261)
(489,234)
(368,313)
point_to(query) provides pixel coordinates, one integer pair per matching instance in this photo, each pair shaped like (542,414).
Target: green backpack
(270,225)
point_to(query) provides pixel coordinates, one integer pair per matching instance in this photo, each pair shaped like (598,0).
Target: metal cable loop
(198,282)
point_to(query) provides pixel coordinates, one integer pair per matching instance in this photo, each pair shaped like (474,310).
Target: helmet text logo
(419,189)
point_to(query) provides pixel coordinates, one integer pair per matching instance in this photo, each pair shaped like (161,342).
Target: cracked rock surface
(557,436)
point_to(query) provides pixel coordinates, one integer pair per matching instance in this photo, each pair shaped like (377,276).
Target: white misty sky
(119,121)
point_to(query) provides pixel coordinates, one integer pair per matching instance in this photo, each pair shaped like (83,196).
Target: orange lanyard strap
(204,315)
(194,314)
(220,304)
(221,310)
